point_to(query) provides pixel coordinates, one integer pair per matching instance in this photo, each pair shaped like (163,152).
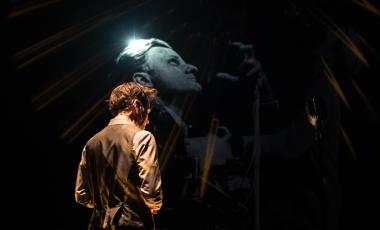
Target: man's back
(113,178)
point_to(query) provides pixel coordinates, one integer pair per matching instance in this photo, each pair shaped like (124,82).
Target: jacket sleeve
(145,147)
(82,195)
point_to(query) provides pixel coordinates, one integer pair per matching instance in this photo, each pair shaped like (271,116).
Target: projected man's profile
(154,62)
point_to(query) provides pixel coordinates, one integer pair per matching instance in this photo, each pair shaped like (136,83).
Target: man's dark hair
(122,97)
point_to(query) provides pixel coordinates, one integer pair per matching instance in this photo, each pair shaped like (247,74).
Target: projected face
(170,73)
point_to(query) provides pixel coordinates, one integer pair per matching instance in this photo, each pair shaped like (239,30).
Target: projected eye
(173,61)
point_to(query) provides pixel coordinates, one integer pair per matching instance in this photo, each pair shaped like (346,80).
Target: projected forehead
(162,54)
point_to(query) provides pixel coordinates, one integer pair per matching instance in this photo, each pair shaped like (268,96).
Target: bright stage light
(135,46)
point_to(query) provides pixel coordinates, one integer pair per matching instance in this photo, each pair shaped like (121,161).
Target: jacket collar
(121,120)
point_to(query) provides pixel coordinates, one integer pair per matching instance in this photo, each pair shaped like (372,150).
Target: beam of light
(331,78)
(174,134)
(61,38)
(210,149)
(171,141)
(127,186)
(29,6)
(57,89)
(68,36)
(82,128)
(67,82)
(348,143)
(47,41)
(221,191)
(369,47)
(341,35)
(86,119)
(366,102)
(368,6)
(98,106)
(167,150)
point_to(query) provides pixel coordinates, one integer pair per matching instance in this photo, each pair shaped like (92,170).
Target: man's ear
(137,106)
(143,78)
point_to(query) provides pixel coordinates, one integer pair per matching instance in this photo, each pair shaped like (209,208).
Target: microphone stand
(319,149)
(257,153)
(255,160)
(261,84)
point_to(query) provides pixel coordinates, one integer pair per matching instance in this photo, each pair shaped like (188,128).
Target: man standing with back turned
(118,175)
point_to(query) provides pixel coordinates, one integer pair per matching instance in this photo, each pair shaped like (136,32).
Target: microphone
(316,112)
(315,107)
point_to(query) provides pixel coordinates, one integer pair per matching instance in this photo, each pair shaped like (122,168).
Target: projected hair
(132,59)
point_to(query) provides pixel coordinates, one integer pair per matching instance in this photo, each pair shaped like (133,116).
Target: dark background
(58,54)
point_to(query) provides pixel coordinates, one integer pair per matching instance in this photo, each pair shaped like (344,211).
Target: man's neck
(125,116)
